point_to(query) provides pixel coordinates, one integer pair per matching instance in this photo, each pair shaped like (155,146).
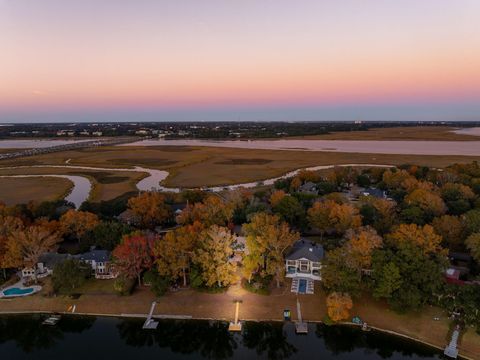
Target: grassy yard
(97,287)
(22,190)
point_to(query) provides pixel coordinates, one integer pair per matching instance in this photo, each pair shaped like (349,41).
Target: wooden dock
(236,325)
(300,326)
(150,323)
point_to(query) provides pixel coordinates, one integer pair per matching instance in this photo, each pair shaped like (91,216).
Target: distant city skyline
(249,60)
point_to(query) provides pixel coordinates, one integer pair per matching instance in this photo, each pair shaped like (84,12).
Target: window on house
(304,265)
(316,264)
(291,262)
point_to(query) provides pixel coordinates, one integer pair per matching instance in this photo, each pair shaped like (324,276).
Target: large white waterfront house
(304,265)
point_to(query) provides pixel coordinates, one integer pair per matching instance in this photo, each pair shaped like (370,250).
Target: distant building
(308,188)
(379,194)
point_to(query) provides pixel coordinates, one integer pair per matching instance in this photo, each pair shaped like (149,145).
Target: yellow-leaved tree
(213,255)
(267,239)
(339,306)
(425,237)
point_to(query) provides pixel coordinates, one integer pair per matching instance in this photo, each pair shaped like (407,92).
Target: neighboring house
(178,208)
(45,265)
(308,188)
(380,194)
(99,261)
(303,265)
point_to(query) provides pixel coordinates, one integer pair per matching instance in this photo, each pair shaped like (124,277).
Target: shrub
(158,284)
(258,285)
(124,286)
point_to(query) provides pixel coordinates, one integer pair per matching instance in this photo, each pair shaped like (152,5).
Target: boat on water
(52,320)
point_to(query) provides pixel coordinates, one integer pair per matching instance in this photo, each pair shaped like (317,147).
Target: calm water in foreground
(23,337)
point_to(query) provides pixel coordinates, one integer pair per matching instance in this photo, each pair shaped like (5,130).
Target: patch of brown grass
(428,133)
(22,190)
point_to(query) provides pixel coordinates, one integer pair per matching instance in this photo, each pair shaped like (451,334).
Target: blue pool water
(17,291)
(302,286)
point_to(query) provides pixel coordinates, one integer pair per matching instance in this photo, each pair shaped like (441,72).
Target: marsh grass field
(22,190)
(194,166)
(420,133)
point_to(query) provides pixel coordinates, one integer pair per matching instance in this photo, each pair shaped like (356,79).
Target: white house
(99,261)
(304,264)
(45,265)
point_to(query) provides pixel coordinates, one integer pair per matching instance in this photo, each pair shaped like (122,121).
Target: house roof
(94,255)
(50,259)
(373,192)
(306,249)
(308,186)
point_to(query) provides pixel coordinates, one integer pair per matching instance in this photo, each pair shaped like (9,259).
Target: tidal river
(82,186)
(465,148)
(23,337)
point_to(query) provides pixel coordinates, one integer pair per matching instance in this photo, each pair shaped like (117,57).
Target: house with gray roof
(305,260)
(308,188)
(98,260)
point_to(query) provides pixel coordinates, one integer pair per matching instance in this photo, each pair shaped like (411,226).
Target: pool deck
(19,285)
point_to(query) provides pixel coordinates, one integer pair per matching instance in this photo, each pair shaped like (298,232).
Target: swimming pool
(17,291)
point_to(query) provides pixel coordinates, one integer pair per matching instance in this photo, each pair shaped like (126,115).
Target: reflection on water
(23,337)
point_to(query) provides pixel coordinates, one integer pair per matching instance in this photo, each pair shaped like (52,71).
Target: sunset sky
(135,60)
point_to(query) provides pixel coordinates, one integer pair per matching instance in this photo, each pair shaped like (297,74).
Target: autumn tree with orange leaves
(76,223)
(424,237)
(8,224)
(329,215)
(339,306)
(25,246)
(212,211)
(149,209)
(174,252)
(276,197)
(134,255)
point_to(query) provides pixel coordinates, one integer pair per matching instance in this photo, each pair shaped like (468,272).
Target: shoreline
(189,317)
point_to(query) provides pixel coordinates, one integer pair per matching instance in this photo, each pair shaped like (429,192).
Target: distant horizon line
(240,121)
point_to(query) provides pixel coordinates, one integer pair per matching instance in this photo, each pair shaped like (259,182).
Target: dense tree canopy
(267,240)
(149,209)
(213,256)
